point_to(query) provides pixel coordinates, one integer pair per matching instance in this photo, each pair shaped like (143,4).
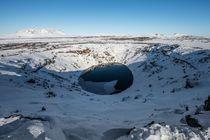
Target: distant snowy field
(40,97)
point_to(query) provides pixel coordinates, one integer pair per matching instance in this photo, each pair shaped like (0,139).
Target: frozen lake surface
(107,78)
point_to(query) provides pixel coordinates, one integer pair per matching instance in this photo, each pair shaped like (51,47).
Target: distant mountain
(36,33)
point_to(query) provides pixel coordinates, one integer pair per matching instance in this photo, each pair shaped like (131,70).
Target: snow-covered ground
(40,97)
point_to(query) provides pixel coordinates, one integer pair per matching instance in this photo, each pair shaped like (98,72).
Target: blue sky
(98,17)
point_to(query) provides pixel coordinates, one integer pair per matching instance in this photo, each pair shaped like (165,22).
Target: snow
(165,132)
(99,87)
(109,87)
(161,68)
(8,120)
(36,129)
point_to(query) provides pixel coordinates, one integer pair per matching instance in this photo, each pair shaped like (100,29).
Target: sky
(107,17)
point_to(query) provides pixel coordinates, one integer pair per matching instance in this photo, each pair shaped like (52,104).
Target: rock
(149,124)
(192,121)
(188,84)
(43,108)
(51,94)
(178,111)
(31,81)
(126,98)
(207,104)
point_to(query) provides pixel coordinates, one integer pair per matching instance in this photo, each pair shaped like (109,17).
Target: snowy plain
(40,97)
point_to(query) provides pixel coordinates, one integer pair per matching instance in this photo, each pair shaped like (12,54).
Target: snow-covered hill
(40,97)
(36,33)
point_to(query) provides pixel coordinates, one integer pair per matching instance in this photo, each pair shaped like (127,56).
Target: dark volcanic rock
(106,79)
(192,121)
(207,104)
(31,81)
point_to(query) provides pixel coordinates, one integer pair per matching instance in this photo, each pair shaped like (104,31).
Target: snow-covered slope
(40,97)
(36,33)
